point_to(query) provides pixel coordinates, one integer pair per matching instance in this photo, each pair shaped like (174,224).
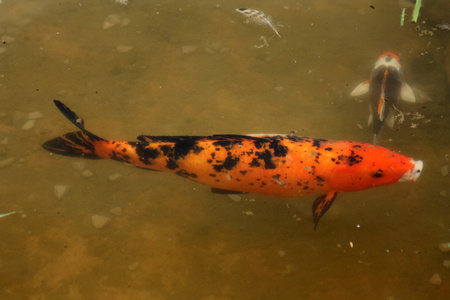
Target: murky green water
(172,238)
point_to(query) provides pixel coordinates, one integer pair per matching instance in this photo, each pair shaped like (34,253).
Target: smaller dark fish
(385,88)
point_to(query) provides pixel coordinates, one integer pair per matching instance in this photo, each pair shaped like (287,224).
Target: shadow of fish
(276,165)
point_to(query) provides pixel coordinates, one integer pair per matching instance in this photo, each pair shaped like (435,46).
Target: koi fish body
(277,165)
(385,88)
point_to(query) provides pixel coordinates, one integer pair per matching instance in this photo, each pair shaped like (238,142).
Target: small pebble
(248,213)
(78,165)
(111,20)
(444,247)
(124,22)
(59,190)
(235,198)
(6,162)
(117,211)
(99,221)
(435,279)
(87,173)
(444,170)
(281,253)
(187,49)
(29,124)
(123,48)
(34,115)
(114,177)
(447,263)
(133,266)
(443,193)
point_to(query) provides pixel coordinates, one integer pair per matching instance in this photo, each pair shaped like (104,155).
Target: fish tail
(79,143)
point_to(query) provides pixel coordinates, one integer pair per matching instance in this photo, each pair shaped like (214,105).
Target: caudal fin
(80,143)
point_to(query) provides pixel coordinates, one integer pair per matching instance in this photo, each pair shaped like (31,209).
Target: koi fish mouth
(414,173)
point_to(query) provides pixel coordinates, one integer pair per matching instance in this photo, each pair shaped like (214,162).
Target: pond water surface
(196,68)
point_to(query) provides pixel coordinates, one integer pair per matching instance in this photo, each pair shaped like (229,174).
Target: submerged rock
(123,48)
(112,20)
(34,115)
(435,279)
(444,247)
(99,221)
(29,124)
(114,177)
(87,173)
(187,49)
(60,190)
(7,162)
(133,266)
(117,211)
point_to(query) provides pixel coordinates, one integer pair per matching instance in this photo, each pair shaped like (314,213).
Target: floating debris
(443,193)
(264,44)
(281,253)
(402,18)
(99,221)
(29,124)
(443,26)
(248,213)
(258,17)
(59,190)
(416,11)
(11,213)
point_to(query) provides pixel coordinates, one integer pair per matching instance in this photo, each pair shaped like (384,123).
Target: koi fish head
(374,166)
(413,174)
(387,60)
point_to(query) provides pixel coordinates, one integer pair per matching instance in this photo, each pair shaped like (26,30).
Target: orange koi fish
(385,88)
(276,165)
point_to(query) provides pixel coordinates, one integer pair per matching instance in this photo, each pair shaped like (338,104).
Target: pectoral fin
(361,89)
(321,205)
(407,94)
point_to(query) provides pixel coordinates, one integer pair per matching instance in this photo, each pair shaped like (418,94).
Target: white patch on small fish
(258,17)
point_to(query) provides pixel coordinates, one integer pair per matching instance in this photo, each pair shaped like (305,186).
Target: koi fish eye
(413,174)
